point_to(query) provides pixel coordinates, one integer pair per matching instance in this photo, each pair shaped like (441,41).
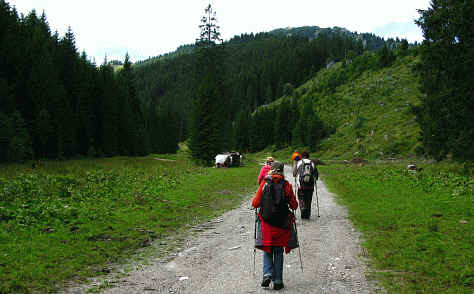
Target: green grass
(418,227)
(69,220)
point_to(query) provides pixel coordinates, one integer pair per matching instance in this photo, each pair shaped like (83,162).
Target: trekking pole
(294,178)
(299,246)
(317,199)
(255,240)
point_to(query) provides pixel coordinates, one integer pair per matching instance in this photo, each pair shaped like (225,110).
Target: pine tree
(386,57)
(44,129)
(109,111)
(241,131)
(19,147)
(316,131)
(6,133)
(282,131)
(447,59)
(209,119)
(210,31)
(303,129)
(127,126)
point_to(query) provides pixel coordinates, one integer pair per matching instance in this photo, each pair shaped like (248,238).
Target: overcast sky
(147,28)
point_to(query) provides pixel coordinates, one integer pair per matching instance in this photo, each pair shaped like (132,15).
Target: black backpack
(273,205)
(306,172)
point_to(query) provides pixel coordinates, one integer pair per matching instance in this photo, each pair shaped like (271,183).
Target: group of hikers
(275,226)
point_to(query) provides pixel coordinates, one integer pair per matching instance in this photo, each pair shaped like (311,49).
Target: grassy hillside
(367,110)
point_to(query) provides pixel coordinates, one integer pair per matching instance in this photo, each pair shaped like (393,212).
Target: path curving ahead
(220,258)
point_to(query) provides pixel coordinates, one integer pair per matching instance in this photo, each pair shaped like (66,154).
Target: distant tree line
(369,41)
(55,102)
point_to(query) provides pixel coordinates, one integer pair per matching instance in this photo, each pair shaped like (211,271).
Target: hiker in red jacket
(265,169)
(271,238)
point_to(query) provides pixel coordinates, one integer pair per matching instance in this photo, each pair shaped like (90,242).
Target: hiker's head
(305,154)
(295,156)
(270,160)
(277,168)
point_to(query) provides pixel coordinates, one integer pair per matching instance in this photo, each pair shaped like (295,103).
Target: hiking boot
(278,286)
(266,281)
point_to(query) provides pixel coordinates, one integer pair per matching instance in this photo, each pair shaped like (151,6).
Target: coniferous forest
(55,102)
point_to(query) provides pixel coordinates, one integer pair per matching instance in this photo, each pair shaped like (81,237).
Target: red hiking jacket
(271,235)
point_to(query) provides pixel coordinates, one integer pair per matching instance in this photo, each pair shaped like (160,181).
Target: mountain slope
(370,115)
(369,40)
(365,107)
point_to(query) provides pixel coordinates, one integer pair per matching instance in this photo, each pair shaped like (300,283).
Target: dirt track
(220,258)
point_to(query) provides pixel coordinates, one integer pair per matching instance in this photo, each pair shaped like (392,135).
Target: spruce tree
(241,131)
(6,133)
(282,131)
(44,129)
(19,147)
(109,111)
(447,59)
(209,118)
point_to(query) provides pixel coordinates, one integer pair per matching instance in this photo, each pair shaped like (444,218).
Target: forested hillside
(359,106)
(369,41)
(258,69)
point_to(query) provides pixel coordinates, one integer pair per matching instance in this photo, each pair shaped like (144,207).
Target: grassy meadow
(69,220)
(417,226)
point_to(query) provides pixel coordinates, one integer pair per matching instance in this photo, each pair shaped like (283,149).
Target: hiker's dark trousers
(304,199)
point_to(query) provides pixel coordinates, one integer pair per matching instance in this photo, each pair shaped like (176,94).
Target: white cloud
(402,30)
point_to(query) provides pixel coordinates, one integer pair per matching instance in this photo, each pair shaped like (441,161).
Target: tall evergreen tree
(128,125)
(316,131)
(44,129)
(282,131)
(386,57)
(109,111)
(19,147)
(446,112)
(210,31)
(6,132)
(241,131)
(208,136)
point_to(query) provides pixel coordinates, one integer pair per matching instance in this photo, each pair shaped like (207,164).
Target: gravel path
(220,258)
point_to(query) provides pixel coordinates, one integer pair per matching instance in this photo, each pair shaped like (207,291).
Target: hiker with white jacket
(306,175)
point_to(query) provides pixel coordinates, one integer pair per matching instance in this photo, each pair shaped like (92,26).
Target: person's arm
(295,169)
(258,196)
(263,174)
(315,170)
(291,196)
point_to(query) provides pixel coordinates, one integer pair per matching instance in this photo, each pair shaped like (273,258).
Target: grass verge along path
(68,220)
(418,227)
